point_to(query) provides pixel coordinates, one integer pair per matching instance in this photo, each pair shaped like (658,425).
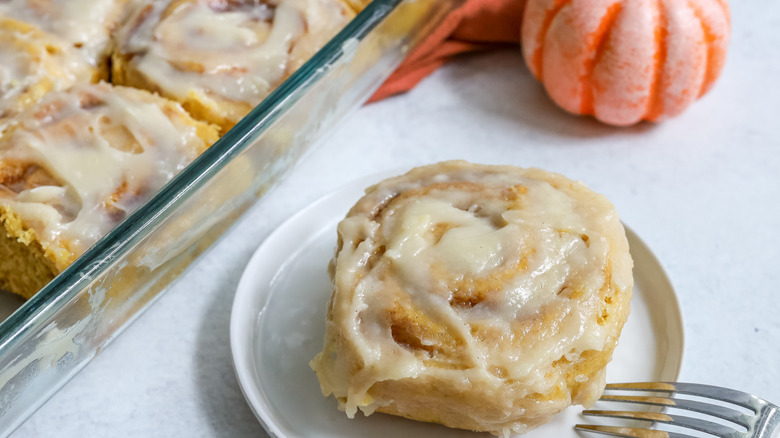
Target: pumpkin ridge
(709,40)
(655,103)
(599,45)
(724,4)
(548,19)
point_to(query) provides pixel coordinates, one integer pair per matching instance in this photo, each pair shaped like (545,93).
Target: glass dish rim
(128,233)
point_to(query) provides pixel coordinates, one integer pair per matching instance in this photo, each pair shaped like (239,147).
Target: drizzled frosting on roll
(78,163)
(221,58)
(85,24)
(481,297)
(34,63)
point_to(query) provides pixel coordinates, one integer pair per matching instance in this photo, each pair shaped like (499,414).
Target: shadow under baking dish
(278,325)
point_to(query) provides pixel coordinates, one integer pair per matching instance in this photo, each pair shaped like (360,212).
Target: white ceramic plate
(278,324)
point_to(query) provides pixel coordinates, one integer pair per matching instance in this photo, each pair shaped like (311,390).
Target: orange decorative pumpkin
(623,61)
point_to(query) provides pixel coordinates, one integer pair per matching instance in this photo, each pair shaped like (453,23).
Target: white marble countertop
(702,190)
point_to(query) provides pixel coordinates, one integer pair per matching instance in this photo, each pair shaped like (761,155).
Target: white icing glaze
(29,57)
(86,24)
(108,148)
(236,52)
(516,241)
(13,71)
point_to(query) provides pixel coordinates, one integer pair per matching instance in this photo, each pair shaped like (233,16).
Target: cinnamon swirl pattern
(480,297)
(77,164)
(33,63)
(84,24)
(221,58)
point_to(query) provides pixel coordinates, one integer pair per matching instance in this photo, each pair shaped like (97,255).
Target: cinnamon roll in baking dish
(84,24)
(221,58)
(75,165)
(480,297)
(33,63)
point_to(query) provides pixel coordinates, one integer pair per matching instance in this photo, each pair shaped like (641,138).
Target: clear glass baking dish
(56,333)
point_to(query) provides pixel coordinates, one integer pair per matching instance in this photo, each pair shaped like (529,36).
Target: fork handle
(768,425)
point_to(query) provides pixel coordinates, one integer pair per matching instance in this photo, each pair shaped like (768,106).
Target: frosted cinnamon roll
(358,5)
(480,297)
(77,164)
(221,58)
(33,63)
(84,24)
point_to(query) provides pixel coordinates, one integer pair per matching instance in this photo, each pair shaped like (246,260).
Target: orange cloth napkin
(475,26)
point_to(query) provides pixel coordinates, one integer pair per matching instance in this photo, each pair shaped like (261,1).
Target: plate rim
(238,315)
(242,351)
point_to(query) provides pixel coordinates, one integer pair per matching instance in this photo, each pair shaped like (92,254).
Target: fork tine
(628,432)
(738,398)
(691,405)
(677,420)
